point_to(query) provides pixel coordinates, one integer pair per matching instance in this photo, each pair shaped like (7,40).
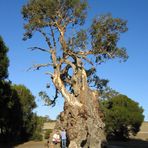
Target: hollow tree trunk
(83,124)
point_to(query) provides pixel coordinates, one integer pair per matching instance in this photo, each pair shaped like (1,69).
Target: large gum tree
(74,53)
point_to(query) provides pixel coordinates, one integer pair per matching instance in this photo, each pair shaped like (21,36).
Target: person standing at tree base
(63,138)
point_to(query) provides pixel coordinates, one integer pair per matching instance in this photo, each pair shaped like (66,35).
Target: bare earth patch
(32,144)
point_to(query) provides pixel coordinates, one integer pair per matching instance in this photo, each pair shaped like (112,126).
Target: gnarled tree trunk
(81,117)
(83,124)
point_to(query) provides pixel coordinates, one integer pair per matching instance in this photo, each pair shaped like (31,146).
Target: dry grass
(140,141)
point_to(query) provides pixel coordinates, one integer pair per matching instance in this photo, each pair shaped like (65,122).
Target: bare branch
(53,37)
(53,102)
(109,54)
(84,53)
(89,52)
(38,48)
(49,73)
(38,66)
(86,59)
(46,37)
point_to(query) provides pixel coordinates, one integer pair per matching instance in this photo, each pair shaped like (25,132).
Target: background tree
(37,134)
(17,120)
(4,61)
(10,114)
(18,123)
(123,117)
(74,53)
(9,104)
(27,103)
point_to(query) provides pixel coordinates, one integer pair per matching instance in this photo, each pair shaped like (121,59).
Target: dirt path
(33,144)
(113,144)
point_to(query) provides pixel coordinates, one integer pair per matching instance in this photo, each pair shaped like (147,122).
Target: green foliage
(10,110)
(47,133)
(105,32)
(4,62)
(79,41)
(37,134)
(123,116)
(27,102)
(10,113)
(26,98)
(37,137)
(17,120)
(72,46)
(45,98)
(40,14)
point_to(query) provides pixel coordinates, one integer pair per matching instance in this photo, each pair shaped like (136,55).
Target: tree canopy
(123,116)
(70,44)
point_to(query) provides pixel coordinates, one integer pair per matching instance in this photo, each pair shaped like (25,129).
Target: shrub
(47,133)
(122,117)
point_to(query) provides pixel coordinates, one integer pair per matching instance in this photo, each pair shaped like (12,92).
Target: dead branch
(38,66)
(38,48)
(46,38)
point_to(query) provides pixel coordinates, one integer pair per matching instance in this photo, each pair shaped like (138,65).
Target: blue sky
(129,78)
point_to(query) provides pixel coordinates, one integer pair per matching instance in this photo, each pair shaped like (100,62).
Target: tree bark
(83,124)
(80,117)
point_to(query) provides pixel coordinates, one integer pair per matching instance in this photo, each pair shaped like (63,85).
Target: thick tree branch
(54,58)
(65,69)
(71,64)
(68,97)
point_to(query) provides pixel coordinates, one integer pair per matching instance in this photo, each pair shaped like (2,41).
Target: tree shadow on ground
(10,145)
(2,145)
(132,143)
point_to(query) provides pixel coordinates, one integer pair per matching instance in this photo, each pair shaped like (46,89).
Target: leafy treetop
(73,47)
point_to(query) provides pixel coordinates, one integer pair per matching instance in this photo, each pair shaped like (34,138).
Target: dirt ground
(113,144)
(135,143)
(32,144)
